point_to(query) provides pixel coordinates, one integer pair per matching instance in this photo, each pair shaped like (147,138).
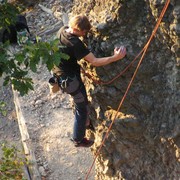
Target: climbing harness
(143,52)
(63,82)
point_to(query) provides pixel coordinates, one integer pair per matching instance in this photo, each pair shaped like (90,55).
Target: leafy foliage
(16,65)
(2,108)
(8,14)
(14,68)
(11,164)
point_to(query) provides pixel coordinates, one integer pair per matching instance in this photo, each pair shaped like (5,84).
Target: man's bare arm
(119,53)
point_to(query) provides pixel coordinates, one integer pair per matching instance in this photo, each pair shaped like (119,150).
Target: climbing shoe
(84,143)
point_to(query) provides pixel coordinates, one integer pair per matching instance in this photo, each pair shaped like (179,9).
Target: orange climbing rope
(130,83)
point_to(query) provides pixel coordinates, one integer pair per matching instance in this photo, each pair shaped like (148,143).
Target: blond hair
(80,22)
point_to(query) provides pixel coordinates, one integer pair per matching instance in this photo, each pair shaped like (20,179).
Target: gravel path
(49,118)
(9,130)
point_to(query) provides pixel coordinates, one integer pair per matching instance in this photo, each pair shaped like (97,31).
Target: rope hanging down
(136,70)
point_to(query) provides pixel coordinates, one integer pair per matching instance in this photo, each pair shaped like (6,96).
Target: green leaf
(2,108)
(4,112)
(49,65)
(64,56)
(6,80)
(56,58)
(19,57)
(2,104)
(22,85)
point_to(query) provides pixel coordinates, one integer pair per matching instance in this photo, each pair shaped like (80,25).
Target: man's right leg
(77,90)
(80,121)
(81,113)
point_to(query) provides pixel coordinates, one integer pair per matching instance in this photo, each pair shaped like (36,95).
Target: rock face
(145,138)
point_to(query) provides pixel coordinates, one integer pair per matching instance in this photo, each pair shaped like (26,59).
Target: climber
(68,72)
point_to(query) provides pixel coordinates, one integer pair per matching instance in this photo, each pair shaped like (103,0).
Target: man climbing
(68,72)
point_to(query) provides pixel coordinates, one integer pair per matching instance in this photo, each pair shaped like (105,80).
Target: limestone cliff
(145,137)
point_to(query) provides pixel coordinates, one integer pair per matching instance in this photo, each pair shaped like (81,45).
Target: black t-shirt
(73,47)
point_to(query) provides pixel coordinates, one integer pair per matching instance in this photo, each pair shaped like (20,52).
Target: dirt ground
(9,129)
(49,120)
